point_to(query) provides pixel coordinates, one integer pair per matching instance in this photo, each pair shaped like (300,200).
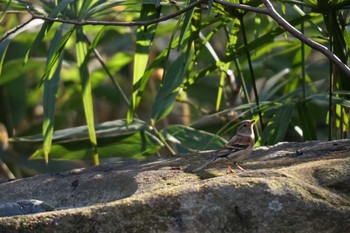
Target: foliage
(194,76)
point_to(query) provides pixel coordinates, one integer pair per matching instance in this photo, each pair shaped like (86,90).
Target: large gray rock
(290,187)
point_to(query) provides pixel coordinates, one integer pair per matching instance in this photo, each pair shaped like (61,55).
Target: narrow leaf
(306,121)
(277,127)
(6,42)
(53,65)
(172,81)
(46,27)
(144,40)
(188,139)
(82,61)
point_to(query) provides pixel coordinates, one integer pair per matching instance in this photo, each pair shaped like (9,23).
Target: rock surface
(290,187)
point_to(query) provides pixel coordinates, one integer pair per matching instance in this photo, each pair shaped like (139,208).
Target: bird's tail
(204,165)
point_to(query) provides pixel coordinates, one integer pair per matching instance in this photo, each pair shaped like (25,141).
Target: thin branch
(145,23)
(292,30)
(270,11)
(242,7)
(14,30)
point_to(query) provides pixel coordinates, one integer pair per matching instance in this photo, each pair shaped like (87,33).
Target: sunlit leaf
(186,24)
(276,128)
(115,139)
(144,38)
(307,122)
(54,62)
(6,41)
(15,69)
(82,61)
(135,146)
(169,89)
(46,27)
(188,139)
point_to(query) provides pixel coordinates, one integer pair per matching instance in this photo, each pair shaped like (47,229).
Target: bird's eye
(245,125)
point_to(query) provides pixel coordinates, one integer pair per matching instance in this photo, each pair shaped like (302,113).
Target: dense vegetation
(167,77)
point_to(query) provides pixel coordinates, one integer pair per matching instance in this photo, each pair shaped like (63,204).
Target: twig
(269,10)
(6,171)
(14,30)
(242,7)
(145,23)
(292,30)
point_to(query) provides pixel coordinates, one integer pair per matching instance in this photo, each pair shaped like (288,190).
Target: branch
(270,11)
(292,30)
(242,7)
(145,23)
(15,30)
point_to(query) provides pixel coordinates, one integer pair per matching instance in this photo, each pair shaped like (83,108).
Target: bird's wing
(235,144)
(226,150)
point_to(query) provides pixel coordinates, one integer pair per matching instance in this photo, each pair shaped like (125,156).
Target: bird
(235,150)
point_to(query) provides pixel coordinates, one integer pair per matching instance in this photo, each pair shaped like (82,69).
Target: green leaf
(56,49)
(277,127)
(307,122)
(46,27)
(53,69)
(4,10)
(15,69)
(186,24)
(170,88)
(115,139)
(50,90)
(105,129)
(6,42)
(82,61)
(188,139)
(134,146)
(144,38)
(210,4)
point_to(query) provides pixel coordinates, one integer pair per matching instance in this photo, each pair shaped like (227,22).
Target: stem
(252,74)
(163,140)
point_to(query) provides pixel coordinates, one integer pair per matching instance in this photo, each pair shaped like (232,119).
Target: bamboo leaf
(54,62)
(6,42)
(106,129)
(56,49)
(4,10)
(46,27)
(11,69)
(144,38)
(115,138)
(135,146)
(306,121)
(82,61)
(50,90)
(277,127)
(186,24)
(188,139)
(169,89)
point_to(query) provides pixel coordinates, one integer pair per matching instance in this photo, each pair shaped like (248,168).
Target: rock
(23,207)
(290,187)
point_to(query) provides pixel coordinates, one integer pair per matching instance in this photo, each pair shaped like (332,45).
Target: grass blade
(82,60)
(144,39)
(54,62)
(170,88)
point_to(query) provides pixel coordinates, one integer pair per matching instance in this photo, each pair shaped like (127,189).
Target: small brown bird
(237,149)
